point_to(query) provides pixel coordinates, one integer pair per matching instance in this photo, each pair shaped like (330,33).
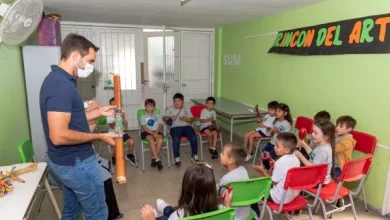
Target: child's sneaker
(159,165)
(177,161)
(249,157)
(131,159)
(214,154)
(195,159)
(153,164)
(161,205)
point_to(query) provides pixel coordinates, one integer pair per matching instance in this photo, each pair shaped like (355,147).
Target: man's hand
(93,104)
(110,138)
(108,110)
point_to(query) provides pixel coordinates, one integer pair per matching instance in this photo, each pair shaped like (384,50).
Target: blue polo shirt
(59,94)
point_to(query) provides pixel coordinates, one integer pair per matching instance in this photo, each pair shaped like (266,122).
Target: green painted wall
(14,125)
(346,84)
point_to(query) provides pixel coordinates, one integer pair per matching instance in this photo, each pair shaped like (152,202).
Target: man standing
(65,122)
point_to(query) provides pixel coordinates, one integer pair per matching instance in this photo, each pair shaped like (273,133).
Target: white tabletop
(14,205)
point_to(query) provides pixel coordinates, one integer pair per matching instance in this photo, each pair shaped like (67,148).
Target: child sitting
(151,131)
(208,118)
(322,115)
(281,124)
(198,195)
(126,137)
(324,137)
(264,129)
(232,156)
(181,118)
(284,148)
(345,143)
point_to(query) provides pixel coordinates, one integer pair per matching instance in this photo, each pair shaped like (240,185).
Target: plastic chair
(353,170)
(196,111)
(365,143)
(221,214)
(300,178)
(103,121)
(26,151)
(261,142)
(143,141)
(248,192)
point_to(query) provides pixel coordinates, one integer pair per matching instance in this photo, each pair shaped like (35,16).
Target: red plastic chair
(353,170)
(365,143)
(303,122)
(300,178)
(196,110)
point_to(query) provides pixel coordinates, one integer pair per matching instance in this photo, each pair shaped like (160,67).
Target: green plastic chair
(26,151)
(248,192)
(221,214)
(143,141)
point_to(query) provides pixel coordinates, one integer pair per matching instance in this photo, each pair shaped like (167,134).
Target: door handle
(184,85)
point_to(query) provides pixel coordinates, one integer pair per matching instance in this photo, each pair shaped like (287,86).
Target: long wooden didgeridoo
(14,175)
(119,152)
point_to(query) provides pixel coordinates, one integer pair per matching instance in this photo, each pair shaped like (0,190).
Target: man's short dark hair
(347,121)
(178,96)
(237,152)
(273,104)
(289,140)
(210,99)
(322,115)
(150,101)
(75,42)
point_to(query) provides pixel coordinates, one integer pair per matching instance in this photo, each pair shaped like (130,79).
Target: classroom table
(232,110)
(18,203)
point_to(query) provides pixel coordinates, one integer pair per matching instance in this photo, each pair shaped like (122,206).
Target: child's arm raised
(302,158)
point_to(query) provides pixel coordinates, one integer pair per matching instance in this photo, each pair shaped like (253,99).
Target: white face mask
(84,73)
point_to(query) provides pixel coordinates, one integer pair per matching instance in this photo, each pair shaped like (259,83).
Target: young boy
(232,156)
(286,144)
(264,129)
(208,118)
(322,115)
(126,137)
(151,131)
(181,119)
(345,143)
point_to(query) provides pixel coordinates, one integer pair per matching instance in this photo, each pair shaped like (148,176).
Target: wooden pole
(119,152)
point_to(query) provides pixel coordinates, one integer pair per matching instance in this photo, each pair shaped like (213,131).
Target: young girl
(198,195)
(264,129)
(324,137)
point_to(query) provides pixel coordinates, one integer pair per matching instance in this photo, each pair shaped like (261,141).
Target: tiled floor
(145,187)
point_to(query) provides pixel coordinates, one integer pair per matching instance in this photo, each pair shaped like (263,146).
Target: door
(86,86)
(196,65)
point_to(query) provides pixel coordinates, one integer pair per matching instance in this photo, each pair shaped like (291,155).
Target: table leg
(52,199)
(231,129)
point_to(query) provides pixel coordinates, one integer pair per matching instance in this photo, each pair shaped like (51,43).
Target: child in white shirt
(285,146)
(208,119)
(263,129)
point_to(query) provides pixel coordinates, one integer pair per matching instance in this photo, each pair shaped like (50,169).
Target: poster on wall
(366,35)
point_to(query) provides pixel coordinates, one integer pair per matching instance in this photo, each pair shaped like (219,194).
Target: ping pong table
(234,111)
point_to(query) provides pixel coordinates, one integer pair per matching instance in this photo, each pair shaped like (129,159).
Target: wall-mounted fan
(19,20)
(183,2)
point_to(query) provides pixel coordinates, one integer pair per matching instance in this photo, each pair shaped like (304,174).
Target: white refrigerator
(37,65)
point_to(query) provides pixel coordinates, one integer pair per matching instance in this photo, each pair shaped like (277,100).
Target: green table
(232,110)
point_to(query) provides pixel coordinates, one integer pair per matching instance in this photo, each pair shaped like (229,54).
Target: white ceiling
(196,13)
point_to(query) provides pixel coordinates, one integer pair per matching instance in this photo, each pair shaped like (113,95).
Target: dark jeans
(166,213)
(113,209)
(337,172)
(255,208)
(304,153)
(83,189)
(187,131)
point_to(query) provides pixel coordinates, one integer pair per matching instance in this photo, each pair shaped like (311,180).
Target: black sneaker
(131,159)
(159,165)
(153,164)
(177,161)
(113,160)
(195,159)
(214,154)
